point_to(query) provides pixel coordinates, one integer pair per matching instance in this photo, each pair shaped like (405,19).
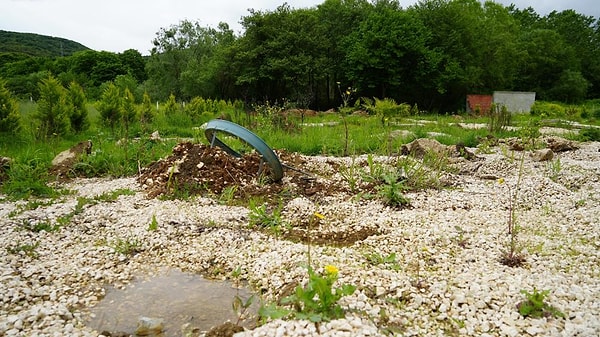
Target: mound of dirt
(197,169)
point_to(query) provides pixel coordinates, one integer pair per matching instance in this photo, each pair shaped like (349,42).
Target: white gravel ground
(447,279)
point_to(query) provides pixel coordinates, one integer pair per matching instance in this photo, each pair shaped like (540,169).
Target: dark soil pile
(197,169)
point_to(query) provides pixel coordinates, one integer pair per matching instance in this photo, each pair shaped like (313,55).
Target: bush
(546,109)
(388,108)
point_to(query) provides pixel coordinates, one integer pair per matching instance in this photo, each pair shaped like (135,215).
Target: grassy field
(117,153)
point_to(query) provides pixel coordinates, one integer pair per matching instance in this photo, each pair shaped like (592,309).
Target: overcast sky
(118,25)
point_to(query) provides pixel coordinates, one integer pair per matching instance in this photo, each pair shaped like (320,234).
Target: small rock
(155,135)
(558,144)
(148,326)
(77,150)
(508,330)
(542,155)
(18,324)
(5,162)
(534,330)
(514,144)
(419,147)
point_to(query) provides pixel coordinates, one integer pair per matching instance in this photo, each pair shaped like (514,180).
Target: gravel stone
(446,278)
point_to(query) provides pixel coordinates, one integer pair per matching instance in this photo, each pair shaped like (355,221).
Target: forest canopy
(431,54)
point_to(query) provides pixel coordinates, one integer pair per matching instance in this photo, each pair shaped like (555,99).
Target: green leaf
(273,311)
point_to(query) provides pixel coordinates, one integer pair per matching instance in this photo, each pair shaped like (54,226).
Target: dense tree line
(431,54)
(90,69)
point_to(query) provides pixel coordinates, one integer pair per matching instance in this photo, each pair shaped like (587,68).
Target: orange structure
(479,103)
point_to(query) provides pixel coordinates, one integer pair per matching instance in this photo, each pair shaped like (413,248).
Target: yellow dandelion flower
(319,215)
(331,269)
(501,181)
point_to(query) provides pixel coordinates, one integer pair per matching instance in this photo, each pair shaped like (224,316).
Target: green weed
(227,196)
(513,256)
(127,246)
(30,205)
(461,240)
(529,133)
(417,175)
(46,226)
(554,168)
(535,306)
(590,134)
(392,191)
(240,305)
(153,224)
(113,195)
(499,119)
(262,217)
(317,301)
(351,174)
(376,259)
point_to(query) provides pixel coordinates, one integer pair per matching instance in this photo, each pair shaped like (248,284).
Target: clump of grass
(40,226)
(554,168)
(128,246)
(227,196)
(590,134)
(350,174)
(27,249)
(113,195)
(30,205)
(424,174)
(499,118)
(28,177)
(263,217)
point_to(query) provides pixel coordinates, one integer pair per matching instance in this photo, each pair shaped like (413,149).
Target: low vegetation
(535,305)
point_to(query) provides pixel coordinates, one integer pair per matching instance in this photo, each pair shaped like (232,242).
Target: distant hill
(37,45)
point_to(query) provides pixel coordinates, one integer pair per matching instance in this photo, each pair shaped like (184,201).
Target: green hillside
(37,45)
